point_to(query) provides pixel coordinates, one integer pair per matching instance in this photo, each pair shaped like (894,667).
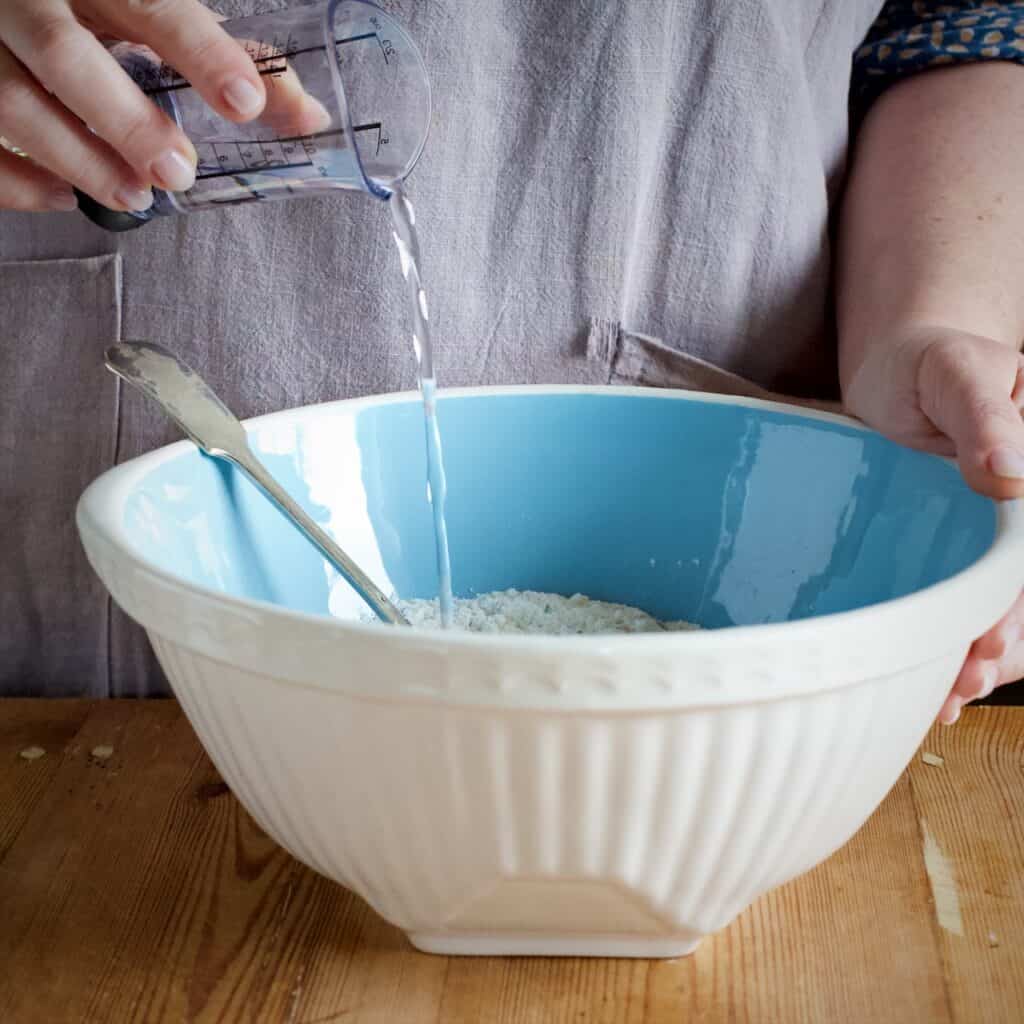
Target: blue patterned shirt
(915,35)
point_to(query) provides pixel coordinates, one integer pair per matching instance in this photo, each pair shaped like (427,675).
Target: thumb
(970,387)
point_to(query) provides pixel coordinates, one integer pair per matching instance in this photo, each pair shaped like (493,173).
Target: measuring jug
(348,107)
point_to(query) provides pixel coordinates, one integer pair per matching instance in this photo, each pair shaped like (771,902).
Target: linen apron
(611,193)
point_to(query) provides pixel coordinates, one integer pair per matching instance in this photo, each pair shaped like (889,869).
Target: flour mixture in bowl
(529,611)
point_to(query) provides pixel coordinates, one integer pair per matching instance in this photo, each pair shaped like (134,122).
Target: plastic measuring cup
(361,124)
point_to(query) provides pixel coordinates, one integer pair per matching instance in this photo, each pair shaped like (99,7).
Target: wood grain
(137,889)
(973,805)
(48,725)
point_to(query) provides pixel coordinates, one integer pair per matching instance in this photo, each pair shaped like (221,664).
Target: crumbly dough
(529,611)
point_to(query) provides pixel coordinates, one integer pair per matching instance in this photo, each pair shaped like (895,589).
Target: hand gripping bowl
(617,795)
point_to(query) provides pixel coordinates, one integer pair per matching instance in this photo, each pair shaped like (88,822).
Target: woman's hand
(957,394)
(67,103)
(951,393)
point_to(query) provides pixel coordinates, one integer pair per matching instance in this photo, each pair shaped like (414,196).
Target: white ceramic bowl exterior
(599,833)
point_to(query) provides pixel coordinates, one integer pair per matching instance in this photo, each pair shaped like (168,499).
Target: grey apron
(612,192)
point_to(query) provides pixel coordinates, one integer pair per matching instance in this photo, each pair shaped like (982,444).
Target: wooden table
(133,887)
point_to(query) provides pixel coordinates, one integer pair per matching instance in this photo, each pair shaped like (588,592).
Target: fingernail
(242,96)
(990,677)
(137,199)
(62,200)
(948,717)
(1007,462)
(174,172)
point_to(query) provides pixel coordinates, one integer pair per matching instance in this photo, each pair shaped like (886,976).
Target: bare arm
(931,269)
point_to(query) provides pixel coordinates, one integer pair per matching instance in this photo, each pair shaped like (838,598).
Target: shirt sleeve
(914,35)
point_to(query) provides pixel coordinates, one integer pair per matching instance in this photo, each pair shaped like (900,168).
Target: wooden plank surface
(36,726)
(973,808)
(135,888)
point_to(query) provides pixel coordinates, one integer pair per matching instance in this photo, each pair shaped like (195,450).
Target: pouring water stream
(403,218)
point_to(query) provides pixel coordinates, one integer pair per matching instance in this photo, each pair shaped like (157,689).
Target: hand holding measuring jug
(67,103)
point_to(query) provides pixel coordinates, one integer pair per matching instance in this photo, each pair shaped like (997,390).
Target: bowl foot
(542,944)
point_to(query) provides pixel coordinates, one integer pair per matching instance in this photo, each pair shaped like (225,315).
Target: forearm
(932,227)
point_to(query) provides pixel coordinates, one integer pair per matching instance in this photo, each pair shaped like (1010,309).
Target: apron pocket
(638,359)
(58,431)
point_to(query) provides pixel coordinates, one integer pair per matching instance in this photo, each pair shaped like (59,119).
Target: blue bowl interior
(715,513)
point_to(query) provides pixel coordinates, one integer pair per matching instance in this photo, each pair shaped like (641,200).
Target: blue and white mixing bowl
(619,795)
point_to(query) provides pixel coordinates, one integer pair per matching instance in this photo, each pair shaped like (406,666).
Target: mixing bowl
(619,795)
